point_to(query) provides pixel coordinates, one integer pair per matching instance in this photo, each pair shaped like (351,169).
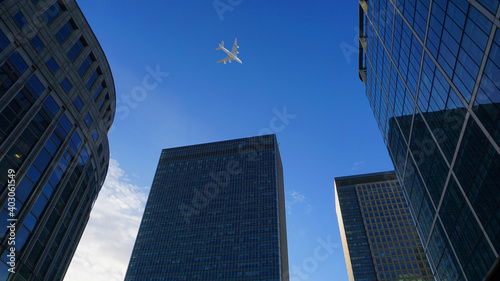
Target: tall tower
(57,103)
(432,75)
(215,211)
(379,237)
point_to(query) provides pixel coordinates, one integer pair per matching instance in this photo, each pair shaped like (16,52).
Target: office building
(57,103)
(379,237)
(215,211)
(432,71)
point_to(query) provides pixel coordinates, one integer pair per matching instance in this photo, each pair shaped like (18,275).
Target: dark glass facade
(432,75)
(215,212)
(55,160)
(379,237)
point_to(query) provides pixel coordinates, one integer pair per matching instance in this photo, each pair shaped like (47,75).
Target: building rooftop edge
(365,178)
(214,142)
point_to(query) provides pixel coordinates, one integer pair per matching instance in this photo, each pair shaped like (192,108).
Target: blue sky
(298,57)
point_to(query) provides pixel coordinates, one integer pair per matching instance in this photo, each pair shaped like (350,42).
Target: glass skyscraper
(379,237)
(432,75)
(215,211)
(57,103)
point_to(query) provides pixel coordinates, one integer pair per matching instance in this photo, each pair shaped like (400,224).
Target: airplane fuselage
(231,54)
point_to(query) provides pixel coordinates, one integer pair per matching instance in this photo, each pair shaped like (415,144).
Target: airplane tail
(221,45)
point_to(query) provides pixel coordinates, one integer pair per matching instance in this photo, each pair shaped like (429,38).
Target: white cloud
(357,165)
(294,198)
(106,245)
(297,197)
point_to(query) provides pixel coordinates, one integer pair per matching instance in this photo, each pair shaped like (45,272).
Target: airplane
(230,55)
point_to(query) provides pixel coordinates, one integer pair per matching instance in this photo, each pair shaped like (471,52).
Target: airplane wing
(235,47)
(225,59)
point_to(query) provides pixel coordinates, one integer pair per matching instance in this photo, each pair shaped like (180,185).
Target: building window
(99,149)
(102,102)
(85,65)
(20,20)
(4,41)
(51,63)
(78,103)
(17,63)
(88,119)
(52,13)
(51,104)
(30,222)
(77,49)
(490,5)
(98,91)
(66,85)
(65,31)
(92,78)
(95,135)
(37,44)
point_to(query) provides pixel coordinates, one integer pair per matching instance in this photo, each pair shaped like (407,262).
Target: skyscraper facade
(215,212)
(57,103)
(432,75)
(379,237)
